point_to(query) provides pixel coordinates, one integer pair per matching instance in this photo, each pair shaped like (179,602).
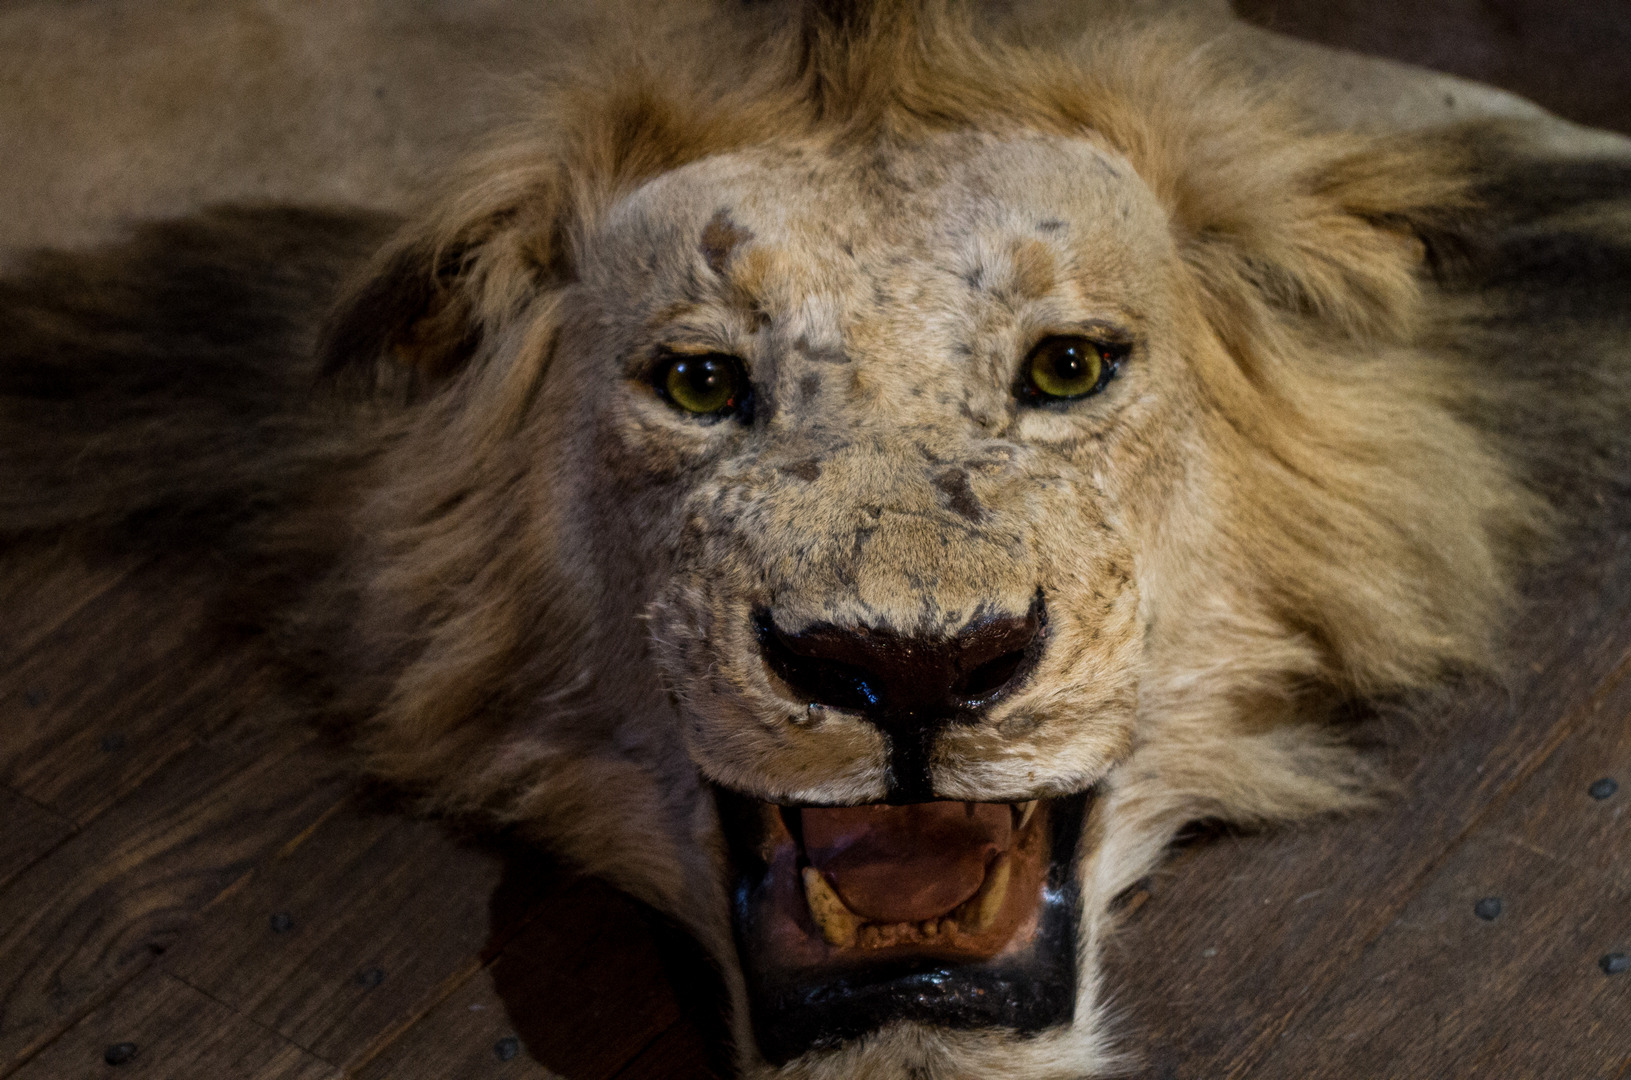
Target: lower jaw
(806,993)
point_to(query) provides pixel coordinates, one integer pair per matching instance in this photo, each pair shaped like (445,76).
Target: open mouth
(957,914)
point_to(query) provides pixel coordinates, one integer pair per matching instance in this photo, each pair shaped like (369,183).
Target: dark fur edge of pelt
(1539,307)
(160,396)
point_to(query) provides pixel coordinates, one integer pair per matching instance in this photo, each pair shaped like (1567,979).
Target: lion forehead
(949,202)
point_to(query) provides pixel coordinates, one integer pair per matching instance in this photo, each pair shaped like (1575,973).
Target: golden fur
(1299,492)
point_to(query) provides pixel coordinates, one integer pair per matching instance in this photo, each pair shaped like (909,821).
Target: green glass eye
(1062,368)
(706,385)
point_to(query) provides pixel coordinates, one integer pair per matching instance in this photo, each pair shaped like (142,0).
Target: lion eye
(712,384)
(1065,368)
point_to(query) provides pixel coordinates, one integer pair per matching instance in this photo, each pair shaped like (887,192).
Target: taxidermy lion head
(861,488)
(863,495)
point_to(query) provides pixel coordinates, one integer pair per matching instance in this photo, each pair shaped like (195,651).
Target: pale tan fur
(1278,504)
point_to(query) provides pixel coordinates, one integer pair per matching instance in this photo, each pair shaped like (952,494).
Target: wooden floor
(193,880)
(194,884)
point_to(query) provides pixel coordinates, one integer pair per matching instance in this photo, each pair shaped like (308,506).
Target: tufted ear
(421,310)
(425,307)
(408,316)
(1336,231)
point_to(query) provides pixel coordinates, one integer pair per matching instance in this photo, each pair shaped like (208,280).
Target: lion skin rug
(861,477)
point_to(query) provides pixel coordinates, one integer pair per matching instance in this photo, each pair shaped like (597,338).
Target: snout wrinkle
(911,687)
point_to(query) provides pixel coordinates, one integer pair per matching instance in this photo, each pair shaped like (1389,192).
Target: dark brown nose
(909,687)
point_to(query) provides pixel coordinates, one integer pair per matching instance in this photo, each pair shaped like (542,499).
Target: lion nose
(908,686)
(882,673)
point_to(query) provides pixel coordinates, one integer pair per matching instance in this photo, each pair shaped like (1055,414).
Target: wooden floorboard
(1526,910)
(468,1034)
(241,866)
(30,832)
(579,992)
(1576,808)
(162,1028)
(584,985)
(79,924)
(359,930)
(115,690)
(210,892)
(1492,970)
(204,886)
(41,587)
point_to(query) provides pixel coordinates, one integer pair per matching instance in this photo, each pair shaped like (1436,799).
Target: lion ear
(409,317)
(1355,230)
(422,308)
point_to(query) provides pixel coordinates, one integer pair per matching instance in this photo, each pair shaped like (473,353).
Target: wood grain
(28,833)
(580,991)
(76,926)
(177,1034)
(1567,811)
(43,586)
(352,934)
(1446,994)
(467,1036)
(85,728)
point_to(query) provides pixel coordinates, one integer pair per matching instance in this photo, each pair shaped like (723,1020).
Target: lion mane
(1371,379)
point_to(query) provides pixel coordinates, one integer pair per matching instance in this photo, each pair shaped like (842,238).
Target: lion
(864,489)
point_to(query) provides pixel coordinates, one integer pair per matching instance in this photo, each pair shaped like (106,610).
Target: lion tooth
(1025,814)
(838,923)
(981,910)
